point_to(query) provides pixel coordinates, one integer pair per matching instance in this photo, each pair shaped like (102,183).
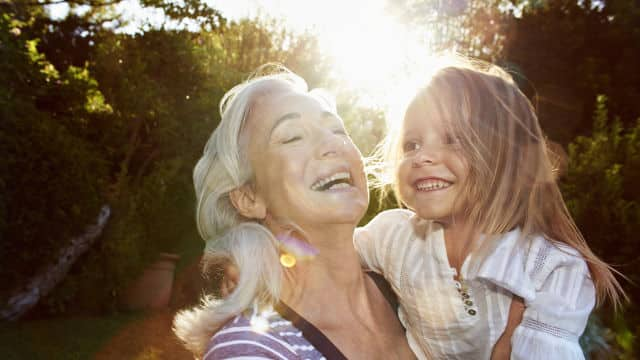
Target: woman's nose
(330,145)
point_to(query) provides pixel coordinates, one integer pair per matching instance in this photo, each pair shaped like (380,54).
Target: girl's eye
(340,131)
(450,139)
(291,139)
(410,146)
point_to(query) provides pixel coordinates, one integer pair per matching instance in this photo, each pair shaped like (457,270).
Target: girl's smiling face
(432,171)
(306,168)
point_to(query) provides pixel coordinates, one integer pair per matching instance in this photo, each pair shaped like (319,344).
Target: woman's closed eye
(291,139)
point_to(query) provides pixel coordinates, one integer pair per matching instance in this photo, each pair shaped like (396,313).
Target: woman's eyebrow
(329,114)
(283,118)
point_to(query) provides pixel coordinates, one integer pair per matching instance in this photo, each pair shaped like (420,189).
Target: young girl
(486,222)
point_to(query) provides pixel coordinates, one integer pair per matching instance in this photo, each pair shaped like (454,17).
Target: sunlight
(373,53)
(379,58)
(372,56)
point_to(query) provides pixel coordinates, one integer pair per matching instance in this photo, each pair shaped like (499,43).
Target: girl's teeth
(432,185)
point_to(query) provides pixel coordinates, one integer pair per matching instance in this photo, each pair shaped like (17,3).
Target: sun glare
(378,57)
(374,54)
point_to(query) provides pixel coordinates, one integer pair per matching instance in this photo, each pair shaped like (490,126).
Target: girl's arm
(371,240)
(557,315)
(557,290)
(502,348)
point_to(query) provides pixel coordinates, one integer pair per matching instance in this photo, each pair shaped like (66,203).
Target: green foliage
(594,51)
(160,111)
(50,180)
(601,193)
(195,11)
(146,103)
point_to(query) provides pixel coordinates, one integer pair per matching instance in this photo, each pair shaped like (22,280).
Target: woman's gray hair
(231,238)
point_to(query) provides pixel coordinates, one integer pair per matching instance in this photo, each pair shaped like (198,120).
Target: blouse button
(471,312)
(458,285)
(469,303)
(465,295)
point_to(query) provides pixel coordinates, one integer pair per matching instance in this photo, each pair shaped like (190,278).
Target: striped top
(450,319)
(265,335)
(279,333)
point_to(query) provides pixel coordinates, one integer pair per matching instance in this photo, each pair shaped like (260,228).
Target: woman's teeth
(432,185)
(339,180)
(340,185)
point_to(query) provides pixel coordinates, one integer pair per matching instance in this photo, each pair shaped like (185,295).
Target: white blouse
(447,319)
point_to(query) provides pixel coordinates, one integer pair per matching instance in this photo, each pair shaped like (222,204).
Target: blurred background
(106,106)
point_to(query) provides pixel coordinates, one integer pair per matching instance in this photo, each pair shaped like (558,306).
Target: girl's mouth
(431,184)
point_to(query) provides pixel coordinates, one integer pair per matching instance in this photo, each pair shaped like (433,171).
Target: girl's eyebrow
(409,133)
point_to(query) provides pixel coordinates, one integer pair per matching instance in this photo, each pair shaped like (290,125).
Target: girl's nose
(425,157)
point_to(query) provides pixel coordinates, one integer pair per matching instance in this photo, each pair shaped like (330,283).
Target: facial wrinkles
(295,121)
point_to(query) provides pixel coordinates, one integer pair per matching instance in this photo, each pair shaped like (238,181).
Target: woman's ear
(248,203)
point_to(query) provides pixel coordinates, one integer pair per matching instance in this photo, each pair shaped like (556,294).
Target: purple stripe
(249,335)
(245,349)
(237,339)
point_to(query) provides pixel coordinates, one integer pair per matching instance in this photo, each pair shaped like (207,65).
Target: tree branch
(94,3)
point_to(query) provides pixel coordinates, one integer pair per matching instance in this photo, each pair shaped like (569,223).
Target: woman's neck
(337,266)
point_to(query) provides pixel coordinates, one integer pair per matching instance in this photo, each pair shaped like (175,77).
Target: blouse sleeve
(557,314)
(370,239)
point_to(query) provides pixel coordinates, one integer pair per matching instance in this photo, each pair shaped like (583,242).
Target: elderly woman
(280,189)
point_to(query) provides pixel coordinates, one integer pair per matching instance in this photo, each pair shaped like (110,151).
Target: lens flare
(294,250)
(259,323)
(287,260)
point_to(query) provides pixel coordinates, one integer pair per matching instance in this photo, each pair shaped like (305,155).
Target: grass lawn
(64,338)
(138,335)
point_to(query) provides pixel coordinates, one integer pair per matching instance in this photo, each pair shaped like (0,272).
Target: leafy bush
(50,180)
(601,191)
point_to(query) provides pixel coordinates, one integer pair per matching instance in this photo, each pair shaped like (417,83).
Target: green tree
(601,194)
(161,89)
(572,51)
(51,180)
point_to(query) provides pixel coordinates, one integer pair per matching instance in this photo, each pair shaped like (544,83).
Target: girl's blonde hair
(229,237)
(512,171)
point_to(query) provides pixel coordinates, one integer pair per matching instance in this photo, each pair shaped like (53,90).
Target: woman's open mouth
(336,181)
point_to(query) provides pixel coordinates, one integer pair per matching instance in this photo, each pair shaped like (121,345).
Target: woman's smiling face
(306,168)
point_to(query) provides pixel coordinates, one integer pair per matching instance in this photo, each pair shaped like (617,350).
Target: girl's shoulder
(547,255)
(393,215)
(523,265)
(396,223)
(388,220)
(538,251)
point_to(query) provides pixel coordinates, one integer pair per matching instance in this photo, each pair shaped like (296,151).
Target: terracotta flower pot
(152,290)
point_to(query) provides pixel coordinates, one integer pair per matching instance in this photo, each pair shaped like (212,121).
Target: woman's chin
(343,214)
